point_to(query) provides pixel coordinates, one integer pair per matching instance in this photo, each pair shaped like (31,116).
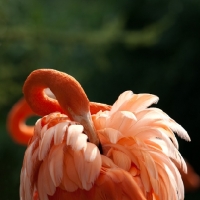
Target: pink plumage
(138,160)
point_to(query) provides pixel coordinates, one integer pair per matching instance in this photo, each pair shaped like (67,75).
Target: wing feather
(55,163)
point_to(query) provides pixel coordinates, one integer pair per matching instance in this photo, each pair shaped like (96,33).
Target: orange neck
(67,90)
(16,122)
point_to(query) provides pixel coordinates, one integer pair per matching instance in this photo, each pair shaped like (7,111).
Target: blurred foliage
(108,46)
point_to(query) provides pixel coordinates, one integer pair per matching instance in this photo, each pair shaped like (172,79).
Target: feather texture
(148,140)
(140,155)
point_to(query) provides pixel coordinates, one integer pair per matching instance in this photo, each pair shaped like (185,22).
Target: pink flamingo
(76,155)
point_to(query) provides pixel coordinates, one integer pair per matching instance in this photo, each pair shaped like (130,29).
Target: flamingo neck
(70,98)
(68,92)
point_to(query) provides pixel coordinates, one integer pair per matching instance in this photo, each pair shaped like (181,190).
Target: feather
(38,127)
(25,188)
(156,136)
(122,99)
(125,150)
(70,180)
(45,142)
(43,130)
(111,135)
(121,120)
(165,165)
(40,183)
(75,138)
(100,120)
(117,184)
(107,162)
(121,160)
(60,130)
(139,102)
(28,162)
(55,163)
(91,152)
(87,171)
(152,170)
(155,114)
(49,187)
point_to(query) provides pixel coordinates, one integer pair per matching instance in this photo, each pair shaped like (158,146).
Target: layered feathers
(140,155)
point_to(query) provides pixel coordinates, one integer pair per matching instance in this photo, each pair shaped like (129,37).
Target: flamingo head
(70,98)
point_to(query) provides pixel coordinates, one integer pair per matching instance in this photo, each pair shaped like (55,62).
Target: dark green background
(149,46)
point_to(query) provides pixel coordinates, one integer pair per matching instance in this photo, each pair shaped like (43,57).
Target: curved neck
(71,98)
(16,122)
(68,92)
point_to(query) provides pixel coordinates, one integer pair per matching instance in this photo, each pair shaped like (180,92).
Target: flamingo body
(64,165)
(83,150)
(139,152)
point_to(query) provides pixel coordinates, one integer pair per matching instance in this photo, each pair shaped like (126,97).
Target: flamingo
(22,133)
(74,154)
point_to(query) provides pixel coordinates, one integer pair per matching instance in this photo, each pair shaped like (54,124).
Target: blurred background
(147,46)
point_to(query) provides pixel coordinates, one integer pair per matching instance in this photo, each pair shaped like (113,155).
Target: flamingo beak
(89,128)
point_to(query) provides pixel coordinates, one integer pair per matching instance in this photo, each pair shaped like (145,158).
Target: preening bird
(17,127)
(22,133)
(128,151)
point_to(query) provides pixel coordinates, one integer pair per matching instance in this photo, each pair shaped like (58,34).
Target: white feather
(75,137)
(60,131)
(91,152)
(81,142)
